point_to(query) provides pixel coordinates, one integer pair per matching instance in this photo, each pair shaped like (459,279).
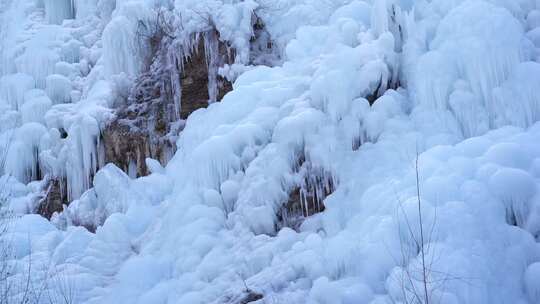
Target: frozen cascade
(13,87)
(120,48)
(81,157)
(329,132)
(521,88)
(85,8)
(35,108)
(39,63)
(124,47)
(11,25)
(22,159)
(59,10)
(467,110)
(71,50)
(58,88)
(380,17)
(461,51)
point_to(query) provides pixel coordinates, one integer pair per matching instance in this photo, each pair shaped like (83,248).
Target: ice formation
(13,87)
(57,11)
(58,88)
(352,128)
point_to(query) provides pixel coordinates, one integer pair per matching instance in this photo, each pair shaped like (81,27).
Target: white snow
(362,91)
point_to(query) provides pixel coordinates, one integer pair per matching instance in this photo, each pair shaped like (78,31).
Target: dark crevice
(53,198)
(307,198)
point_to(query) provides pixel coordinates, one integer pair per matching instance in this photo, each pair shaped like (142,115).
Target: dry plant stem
(422,252)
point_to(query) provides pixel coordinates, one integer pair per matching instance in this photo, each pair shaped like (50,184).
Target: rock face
(198,73)
(54,197)
(244,297)
(307,198)
(303,203)
(182,77)
(127,146)
(262,50)
(149,123)
(251,297)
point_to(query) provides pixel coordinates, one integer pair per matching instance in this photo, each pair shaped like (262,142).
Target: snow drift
(306,182)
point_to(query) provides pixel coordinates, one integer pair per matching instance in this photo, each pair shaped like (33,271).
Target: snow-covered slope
(407,132)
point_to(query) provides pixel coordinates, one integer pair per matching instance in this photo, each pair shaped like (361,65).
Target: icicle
(13,87)
(211,52)
(34,109)
(58,89)
(132,169)
(71,51)
(469,112)
(482,55)
(397,26)
(59,10)
(174,61)
(517,102)
(38,62)
(121,52)
(433,90)
(379,17)
(105,9)
(23,150)
(83,8)
(81,155)
(487,70)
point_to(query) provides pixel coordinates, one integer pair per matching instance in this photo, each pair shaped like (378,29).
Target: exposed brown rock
(241,297)
(179,72)
(262,50)
(251,297)
(128,147)
(195,77)
(149,123)
(301,205)
(54,197)
(307,198)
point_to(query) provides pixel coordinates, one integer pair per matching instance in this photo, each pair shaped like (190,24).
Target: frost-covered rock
(54,198)
(358,118)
